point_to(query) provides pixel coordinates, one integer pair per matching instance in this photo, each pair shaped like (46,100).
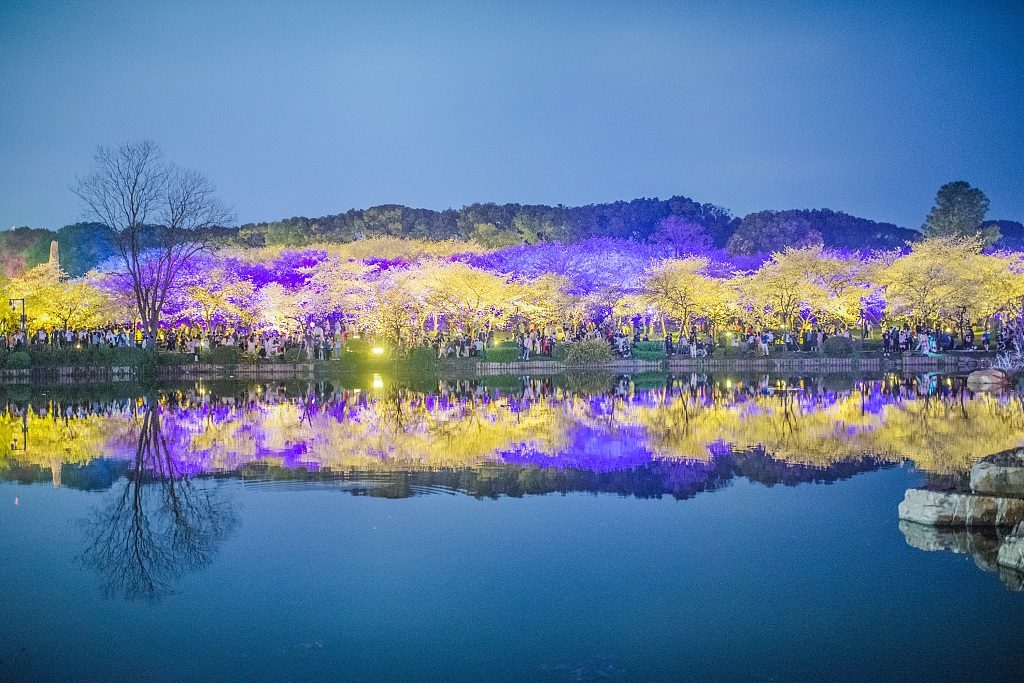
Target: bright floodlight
(377,350)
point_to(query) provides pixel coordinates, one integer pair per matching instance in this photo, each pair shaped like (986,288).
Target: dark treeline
(680,480)
(498,224)
(85,245)
(641,220)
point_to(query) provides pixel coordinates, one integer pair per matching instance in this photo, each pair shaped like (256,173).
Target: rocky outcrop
(939,508)
(1000,474)
(976,521)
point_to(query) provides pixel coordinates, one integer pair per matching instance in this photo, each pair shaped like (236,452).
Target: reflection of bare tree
(162,525)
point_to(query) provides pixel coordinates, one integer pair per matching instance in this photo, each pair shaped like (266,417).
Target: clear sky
(308,108)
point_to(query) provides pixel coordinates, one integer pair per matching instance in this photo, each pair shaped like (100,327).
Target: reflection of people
(161,525)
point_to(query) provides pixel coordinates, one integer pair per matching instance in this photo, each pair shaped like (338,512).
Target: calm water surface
(606,529)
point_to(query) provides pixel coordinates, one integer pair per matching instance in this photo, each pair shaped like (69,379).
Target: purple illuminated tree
(684,236)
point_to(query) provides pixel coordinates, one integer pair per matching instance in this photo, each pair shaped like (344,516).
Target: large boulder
(939,508)
(1000,474)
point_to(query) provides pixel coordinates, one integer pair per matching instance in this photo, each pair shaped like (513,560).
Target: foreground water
(700,528)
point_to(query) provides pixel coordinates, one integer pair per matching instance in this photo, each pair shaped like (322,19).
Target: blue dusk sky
(310,108)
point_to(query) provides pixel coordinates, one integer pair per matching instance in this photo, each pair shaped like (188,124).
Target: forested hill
(643,220)
(498,225)
(679,220)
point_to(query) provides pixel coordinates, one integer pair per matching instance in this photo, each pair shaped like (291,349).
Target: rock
(936,508)
(987,379)
(1000,474)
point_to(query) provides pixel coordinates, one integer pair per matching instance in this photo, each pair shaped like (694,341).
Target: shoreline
(484,368)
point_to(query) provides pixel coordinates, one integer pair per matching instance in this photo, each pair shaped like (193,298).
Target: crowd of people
(330,339)
(185,339)
(935,339)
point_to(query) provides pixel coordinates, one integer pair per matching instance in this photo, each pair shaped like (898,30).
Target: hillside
(83,245)
(498,225)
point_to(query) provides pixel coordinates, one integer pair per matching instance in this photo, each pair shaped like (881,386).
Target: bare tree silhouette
(162,525)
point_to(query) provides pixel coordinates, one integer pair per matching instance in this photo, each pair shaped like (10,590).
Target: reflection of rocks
(975,521)
(1000,474)
(1011,578)
(1011,553)
(986,545)
(982,544)
(986,380)
(937,508)
(96,475)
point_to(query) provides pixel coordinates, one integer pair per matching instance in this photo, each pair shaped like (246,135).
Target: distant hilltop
(641,220)
(84,245)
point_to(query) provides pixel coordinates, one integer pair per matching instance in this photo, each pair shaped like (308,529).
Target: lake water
(568,529)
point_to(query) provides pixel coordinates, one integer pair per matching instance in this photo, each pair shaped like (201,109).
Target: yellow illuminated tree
(544,299)
(465,295)
(336,285)
(1002,290)
(938,278)
(397,248)
(280,308)
(799,284)
(393,305)
(681,289)
(52,299)
(782,288)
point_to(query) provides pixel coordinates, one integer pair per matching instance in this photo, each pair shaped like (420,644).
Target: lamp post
(11,302)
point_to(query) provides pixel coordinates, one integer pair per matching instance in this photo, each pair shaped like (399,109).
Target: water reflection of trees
(162,523)
(940,426)
(656,479)
(935,422)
